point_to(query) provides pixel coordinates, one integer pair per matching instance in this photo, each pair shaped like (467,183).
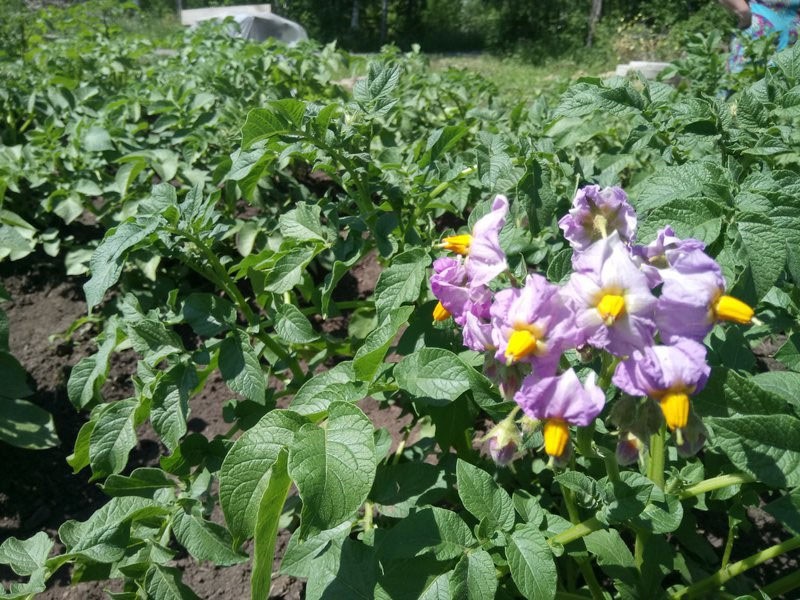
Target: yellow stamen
(440,313)
(610,307)
(601,224)
(457,243)
(556,436)
(728,308)
(675,407)
(521,343)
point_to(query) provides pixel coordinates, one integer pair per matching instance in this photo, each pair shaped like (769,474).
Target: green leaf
(207,314)
(764,446)
(79,459)
(483,497)
(560,266)
(266,529)
(14,377)
(105,535)
(531,561)
(785,385)
(169,406)
(304,224)
(246,471)
(164,583)
(333,468)
(205,540)
(433,373)
(26,556)
(25,425)
(143,482)
(431,530)
(688,180)
(370,355)
(287,271)
(298,560)
(153,339)
(337,384)
(112,438)
(240,367)
(697,218)
(789,352)
(744,396)
(401,281)
(786,509)
(528,507)
(97,139)
(439,588)
(765,248)
(474,577)
(107,260)
(585,98)
(613,556)
(293,326)
(87,377)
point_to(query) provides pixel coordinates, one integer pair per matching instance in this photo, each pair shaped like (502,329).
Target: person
(758,18)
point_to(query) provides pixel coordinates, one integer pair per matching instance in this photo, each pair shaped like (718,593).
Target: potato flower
(595,214)
(532,324)
(611,298)
(485,260)
(560,401)
(693,298)
(668,375)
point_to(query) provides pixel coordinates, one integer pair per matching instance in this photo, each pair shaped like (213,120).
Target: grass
(517,77)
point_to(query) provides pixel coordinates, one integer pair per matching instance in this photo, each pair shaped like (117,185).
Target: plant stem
(584,565)
(278,350)
(612,468)
(655,465)
(702,587)
(368,515)
(716,483)
(576,532)
(726,555)
(782,585)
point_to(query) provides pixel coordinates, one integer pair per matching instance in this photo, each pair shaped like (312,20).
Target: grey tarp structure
(261,27)
(255,22)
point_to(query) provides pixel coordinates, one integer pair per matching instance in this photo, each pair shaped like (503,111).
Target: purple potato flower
(661,253)
(668,374)
(532,324)
(560,401)
(485,259)
(693,298)
(611,298)
(595,214)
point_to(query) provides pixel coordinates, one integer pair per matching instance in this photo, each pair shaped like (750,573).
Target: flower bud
(628,449)
(502,455)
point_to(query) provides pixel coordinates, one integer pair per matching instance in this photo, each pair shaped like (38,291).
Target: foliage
(227,204)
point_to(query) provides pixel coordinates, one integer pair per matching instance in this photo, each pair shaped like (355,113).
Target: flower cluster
(648,307)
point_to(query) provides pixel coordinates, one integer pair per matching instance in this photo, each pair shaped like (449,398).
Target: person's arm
(741,8)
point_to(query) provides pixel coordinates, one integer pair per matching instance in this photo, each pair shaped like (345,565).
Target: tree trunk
(594,17)
(384,17)
(354,16)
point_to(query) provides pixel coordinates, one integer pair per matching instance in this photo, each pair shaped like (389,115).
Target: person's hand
(744,17)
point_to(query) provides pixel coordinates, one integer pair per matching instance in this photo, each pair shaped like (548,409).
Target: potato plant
(571,292)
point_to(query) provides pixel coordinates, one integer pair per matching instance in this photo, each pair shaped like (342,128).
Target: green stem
(782,585)
(584,565)
(726,555)
(655,465)
(612,468)
(702,587)
(368,510)
(576,532)
(716,483)
(278,350)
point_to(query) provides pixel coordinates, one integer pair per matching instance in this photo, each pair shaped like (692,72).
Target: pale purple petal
(591,203)
(650,372)
(486,259)
(561,397)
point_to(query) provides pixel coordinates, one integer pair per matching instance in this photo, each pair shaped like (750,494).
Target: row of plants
(593,335)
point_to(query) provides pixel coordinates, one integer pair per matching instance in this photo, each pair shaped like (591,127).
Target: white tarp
(256,22)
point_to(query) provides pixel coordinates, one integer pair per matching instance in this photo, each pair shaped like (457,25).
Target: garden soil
(38,490)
